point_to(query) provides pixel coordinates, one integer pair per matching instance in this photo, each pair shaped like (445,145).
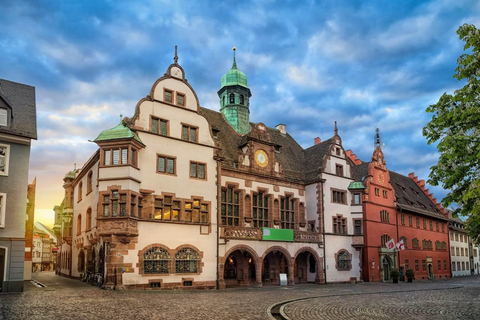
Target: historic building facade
(400,208)
(463,252)
(17,128)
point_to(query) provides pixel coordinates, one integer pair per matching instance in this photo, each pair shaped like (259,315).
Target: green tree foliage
(455,125)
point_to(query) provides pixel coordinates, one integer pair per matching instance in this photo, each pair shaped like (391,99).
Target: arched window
(89,181)
(187,260)
(80,187)
(156,260)
(89,219)
(79,224)
(232,98)
(81,261)
(405,242)
(344,260)
(241,99)
(223,100)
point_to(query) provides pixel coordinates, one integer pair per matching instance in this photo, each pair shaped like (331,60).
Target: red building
(400,208)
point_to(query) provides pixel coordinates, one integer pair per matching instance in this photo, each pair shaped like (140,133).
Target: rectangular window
(431,224)
(167,96)
(424,223)
(3,117)
(437,226)
(453,266)
(4,158)
(475,252)
(166,164)
(124,156)
(443,227)
(180,99)
(452,250)
(230,208)
(116,156)
(424,265)
(260,210)
(3,204)
(338,196)
(339,225)
(339,170)
(445,264)
(407,265)
(197,170)
(410,220)
(385,194)
(189,133)
(114,203)
(377,192)
(107,157)
(287,213)
(357,226)
(417,267)
(439,264)
(159,126)
(402,217)
(106,206)
(418,222)
(356,198)
(457,251)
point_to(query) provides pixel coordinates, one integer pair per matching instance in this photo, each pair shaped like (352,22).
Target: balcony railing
(357,241)
(241,233)
(307,236)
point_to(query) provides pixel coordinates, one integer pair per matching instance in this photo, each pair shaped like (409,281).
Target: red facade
(398,207)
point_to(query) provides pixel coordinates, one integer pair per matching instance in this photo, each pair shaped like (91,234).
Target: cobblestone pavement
(457,298)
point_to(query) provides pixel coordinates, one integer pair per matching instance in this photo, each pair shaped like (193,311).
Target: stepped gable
(315,159)
(289,155)
(411,197)
(21,99)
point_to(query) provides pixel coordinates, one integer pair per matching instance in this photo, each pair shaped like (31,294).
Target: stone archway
(240,267)
(308,267)
(81,261)
(277,260)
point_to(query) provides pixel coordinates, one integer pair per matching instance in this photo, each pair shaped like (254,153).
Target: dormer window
(3,117)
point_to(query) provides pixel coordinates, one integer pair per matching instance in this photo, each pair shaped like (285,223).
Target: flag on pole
(390,244)
(400,245)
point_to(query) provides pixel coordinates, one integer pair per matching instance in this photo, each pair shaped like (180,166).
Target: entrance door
(430,271)
(386,269)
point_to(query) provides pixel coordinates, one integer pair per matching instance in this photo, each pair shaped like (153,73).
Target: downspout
(398,250)
(219,190)
(323,234)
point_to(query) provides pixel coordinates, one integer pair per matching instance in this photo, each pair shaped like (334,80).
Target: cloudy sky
(364,64)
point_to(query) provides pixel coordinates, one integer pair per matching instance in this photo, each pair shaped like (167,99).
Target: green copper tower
(234,98)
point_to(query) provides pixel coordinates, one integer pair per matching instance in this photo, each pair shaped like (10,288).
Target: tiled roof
(118,132)
(411,198)
(290,155)
(360,171)
(314,159)
(21,98)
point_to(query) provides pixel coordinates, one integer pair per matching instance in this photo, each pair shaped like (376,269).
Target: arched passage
(240,267)
(81,261)
(308,266)
(276,260)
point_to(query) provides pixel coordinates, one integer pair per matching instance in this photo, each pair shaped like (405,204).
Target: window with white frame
(4,156)
(3,117)
(3,203)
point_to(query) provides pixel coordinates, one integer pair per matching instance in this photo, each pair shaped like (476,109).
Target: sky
(365,64)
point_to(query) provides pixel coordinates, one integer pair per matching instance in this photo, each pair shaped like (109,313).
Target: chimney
(317,140)
(282,128)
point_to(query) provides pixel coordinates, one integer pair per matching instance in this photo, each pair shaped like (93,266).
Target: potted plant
(394,274)
(410,275)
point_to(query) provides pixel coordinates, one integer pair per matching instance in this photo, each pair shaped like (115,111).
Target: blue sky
(364,64)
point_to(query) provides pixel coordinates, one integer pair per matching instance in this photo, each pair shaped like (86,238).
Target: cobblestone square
(62,298)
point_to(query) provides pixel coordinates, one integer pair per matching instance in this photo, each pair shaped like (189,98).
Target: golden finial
(234,48)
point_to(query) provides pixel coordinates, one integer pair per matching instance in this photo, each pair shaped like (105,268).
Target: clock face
(381,177)
(261,158)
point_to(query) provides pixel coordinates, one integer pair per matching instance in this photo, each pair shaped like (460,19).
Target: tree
(455,125)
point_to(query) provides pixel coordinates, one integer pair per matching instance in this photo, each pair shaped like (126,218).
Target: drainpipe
(398,250)
(323,234)
(219,190)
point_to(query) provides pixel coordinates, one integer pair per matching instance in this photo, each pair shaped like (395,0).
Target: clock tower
(234,99)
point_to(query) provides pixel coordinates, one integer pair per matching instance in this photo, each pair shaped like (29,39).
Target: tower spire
(234,66)
(175,59)
(336,129)
(377,140)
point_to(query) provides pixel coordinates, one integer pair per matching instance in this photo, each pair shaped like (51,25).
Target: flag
(390,244)
(400,245)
